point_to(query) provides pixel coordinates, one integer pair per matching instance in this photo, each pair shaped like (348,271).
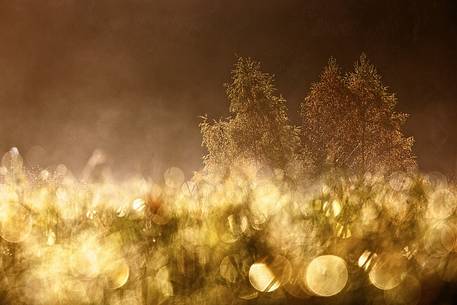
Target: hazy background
(132,77)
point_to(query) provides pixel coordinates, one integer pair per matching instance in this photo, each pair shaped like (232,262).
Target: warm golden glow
(326,275)
(67,241)
(388,271)
(117,273)
(15,222)
(366,259)
(262,278)
(407,293)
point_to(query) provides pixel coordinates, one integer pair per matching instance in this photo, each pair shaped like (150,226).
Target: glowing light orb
(326,275)
(15,222)
(138,205)
(117,274)
(365,260)
(388,271)
(267,200)
(51,240)
(262,278)
(121,212)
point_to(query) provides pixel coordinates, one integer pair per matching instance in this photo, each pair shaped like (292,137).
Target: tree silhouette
(258,128)
(324,116)
(350,122)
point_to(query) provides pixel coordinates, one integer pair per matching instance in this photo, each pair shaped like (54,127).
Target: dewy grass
(252,235)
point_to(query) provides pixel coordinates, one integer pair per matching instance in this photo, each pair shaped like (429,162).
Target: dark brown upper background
(132,77)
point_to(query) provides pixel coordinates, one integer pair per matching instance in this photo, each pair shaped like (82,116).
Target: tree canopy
(350,122)
(258,128)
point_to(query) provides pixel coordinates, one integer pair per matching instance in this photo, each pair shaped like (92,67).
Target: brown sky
(132,77)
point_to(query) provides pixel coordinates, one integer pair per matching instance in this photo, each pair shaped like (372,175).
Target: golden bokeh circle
(268,274)
(262,279)
(326,275)
(117,273)
(388,271)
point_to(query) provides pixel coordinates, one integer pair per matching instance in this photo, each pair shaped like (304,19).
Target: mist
(132,77)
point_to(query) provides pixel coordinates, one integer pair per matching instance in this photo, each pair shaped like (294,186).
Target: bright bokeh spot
(326,275)
(365,260)
(388,270)
(117,273)
(138,204)
(262,278)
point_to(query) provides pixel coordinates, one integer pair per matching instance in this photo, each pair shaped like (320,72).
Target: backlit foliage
(350,122)
(251,227)
(257,129)
(250,236)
